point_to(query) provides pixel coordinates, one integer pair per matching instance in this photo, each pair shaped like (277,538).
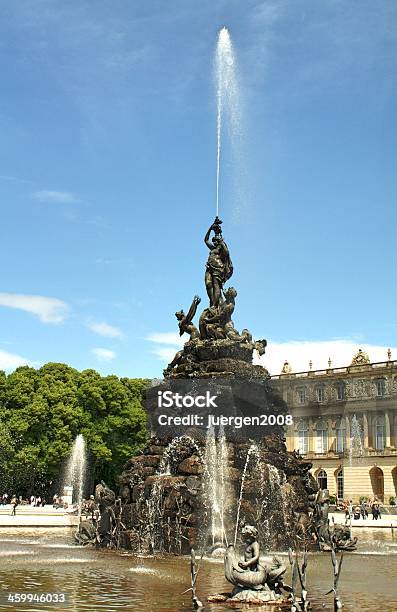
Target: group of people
(363,509)
(37,502)
(14,501)
(57,502)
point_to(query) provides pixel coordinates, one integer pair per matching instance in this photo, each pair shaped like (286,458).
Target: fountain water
(157,521)
(74,479)
(216,490)
(356,441)
(276,494)
(252,449)
(216,493)
(199,491)
(227,96)
(224,478)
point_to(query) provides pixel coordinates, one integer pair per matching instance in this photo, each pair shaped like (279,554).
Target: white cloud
(48,310)
(172,338)
(10,361)
(103,354)
(165,353)
(56,197)
(299,353)
(106,330)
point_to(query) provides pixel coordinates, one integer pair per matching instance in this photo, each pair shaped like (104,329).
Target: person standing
(375,512)
(14,503)
(91,506)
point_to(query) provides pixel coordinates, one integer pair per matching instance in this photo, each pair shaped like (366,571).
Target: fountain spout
(74,479)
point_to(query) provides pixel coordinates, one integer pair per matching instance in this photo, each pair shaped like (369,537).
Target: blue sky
(107,177)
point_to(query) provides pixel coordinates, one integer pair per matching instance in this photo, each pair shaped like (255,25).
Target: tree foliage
(42,411)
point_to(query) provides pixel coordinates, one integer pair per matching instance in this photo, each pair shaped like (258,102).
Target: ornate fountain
(195,485)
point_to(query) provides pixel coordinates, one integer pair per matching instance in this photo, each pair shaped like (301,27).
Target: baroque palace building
(345,424)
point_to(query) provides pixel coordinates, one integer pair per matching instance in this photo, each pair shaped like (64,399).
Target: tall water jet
(75,471)
(216,490)
(252,449)
(356,440)
(227,96)
(196,497)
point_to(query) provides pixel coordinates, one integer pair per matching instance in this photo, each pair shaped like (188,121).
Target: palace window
(320,393)
(341,391)
(380,387)
(321,437)
(303,437)
(339,483)
(341,436)
(302,395)
(380,437)
(322,479)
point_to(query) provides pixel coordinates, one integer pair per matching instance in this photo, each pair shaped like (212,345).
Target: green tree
(42,411)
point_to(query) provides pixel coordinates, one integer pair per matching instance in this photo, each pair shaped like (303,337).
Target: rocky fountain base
(175,496)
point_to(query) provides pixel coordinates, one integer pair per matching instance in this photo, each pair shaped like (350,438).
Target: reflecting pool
(47,561)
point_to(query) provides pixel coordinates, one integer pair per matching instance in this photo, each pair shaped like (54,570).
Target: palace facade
(345,424)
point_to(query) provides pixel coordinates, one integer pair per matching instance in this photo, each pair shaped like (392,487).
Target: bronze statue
(202,352)
(254,582)
(216,322)
(219,266)
(251,552)
(329,536)
(185,321)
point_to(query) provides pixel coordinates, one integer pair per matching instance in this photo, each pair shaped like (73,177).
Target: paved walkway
(28,516)
(387,520)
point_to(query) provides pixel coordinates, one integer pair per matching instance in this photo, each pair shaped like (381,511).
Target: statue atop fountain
(219,266)
(217,343)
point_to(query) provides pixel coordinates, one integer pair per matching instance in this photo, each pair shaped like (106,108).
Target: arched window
(380,437)
(341,436)
(321,437)
(322,479)
(339,484)
(377,482)
(394,475)
(303,437)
